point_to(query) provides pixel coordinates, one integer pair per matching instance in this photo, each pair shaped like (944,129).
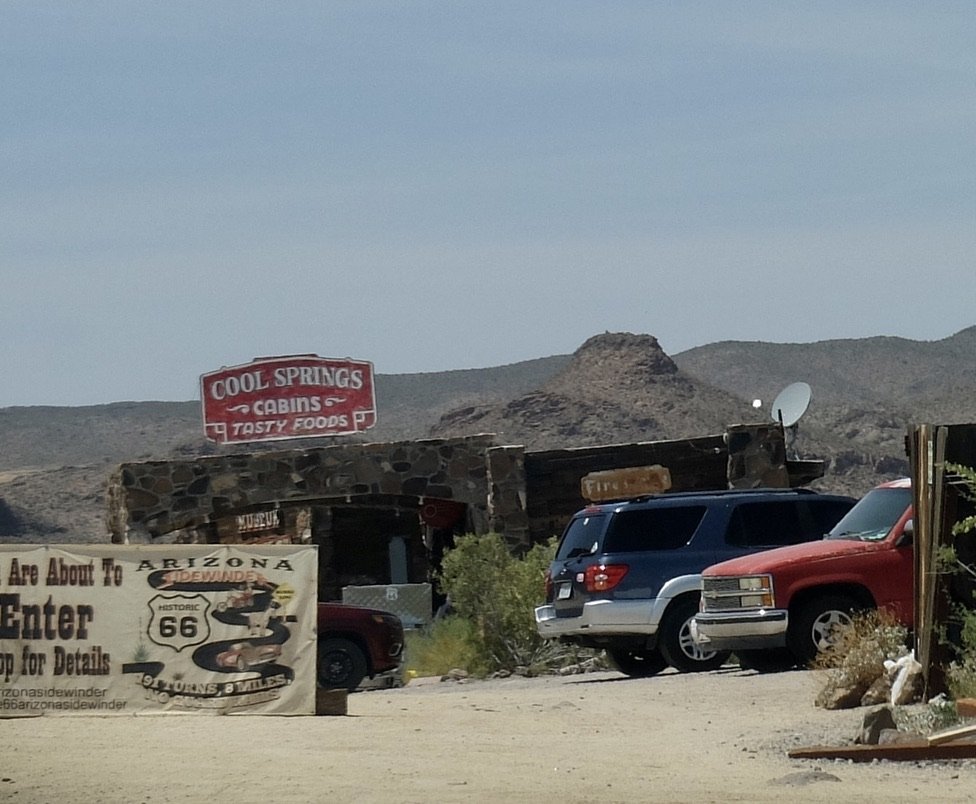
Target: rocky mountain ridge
(616,388)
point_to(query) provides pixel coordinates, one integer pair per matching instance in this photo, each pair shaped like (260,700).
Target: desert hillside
(617,387)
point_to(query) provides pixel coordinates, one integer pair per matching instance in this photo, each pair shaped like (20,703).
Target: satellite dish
(791,403)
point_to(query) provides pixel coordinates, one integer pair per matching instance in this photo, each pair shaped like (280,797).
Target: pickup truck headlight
(759,589)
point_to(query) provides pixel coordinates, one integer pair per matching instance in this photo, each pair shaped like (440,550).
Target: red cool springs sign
(300,396)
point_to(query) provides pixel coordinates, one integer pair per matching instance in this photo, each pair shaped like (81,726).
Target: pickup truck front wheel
(811,630)
(342,664)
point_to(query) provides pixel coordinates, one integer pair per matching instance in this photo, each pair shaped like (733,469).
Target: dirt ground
(598,737)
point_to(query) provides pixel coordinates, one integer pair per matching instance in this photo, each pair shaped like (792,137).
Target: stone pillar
(506,495)
(329,588)
(757,456)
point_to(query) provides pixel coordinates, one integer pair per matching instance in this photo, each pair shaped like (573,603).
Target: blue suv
(627,574)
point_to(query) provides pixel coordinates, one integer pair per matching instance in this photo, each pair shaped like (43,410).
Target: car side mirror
(907,534)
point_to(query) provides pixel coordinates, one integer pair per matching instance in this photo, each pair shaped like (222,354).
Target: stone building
(384,513)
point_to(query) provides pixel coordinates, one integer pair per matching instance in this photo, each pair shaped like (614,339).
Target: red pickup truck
(775,609)
(354,643)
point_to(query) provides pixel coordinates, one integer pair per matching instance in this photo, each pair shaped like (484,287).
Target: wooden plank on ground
(949,735)
(914,751)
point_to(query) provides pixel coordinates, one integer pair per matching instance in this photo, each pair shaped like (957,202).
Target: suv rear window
(775,523)
(582,537)
(662,528)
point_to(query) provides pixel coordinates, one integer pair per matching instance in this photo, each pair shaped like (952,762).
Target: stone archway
(374,540)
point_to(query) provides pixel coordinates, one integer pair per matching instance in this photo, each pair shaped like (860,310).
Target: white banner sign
(119,629)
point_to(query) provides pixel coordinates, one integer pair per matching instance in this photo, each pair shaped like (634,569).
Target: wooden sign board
(621,484)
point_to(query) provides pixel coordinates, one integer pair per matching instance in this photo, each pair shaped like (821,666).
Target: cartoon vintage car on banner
(244,655)
(238,599)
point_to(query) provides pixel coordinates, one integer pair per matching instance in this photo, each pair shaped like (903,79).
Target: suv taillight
(603,577)
(548,586)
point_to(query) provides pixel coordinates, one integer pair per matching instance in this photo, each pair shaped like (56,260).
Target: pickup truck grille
(724,594)
(719,585)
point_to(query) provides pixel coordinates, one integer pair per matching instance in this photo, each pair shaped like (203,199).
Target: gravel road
(597,737)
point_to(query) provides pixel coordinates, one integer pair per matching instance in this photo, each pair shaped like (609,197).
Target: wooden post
(331,702)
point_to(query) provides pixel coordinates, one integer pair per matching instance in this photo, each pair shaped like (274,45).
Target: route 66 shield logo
(178,621)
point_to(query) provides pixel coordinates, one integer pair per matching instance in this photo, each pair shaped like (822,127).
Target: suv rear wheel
(678,648)
(637,663)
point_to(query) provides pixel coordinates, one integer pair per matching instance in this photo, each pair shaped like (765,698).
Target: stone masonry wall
(152,499)
(525,497)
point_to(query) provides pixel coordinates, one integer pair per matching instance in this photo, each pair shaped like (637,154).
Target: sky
(447,185)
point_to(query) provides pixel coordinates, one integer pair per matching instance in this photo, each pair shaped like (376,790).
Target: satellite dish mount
(789,406)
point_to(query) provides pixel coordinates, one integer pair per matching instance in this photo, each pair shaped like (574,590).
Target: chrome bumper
(740,630)
(600,617)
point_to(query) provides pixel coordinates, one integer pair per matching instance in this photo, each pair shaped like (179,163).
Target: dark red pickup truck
(355,643)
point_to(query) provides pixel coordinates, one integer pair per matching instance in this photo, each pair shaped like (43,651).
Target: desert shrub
(938,714)
(961,672)
(856,656)
(442,646)
(496,593)
(961,677)
(968,489)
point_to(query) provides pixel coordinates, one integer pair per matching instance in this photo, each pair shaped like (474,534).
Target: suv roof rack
(711,493)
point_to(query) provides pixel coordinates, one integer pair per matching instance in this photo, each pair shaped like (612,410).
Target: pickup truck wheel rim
(824,625)
(811,629)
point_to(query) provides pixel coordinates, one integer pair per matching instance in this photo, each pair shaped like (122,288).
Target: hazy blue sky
(433,186)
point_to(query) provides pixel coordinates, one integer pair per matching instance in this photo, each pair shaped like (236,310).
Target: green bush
(442,646)
(496,592)
(856,655)
(961,677)
(961,673)
(968,476)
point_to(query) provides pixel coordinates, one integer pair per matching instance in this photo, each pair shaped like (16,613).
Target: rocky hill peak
(618,387)
(614,360)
